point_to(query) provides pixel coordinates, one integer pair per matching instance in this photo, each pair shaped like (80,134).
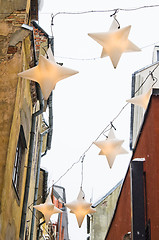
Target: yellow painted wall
(15,110)
(18,114)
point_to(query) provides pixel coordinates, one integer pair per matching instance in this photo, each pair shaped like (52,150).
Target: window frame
(18,163)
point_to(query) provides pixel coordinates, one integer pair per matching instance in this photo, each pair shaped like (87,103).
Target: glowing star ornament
(47,209)
(47,73)
(80,207)
(111,147)
(141,100)
(115,42)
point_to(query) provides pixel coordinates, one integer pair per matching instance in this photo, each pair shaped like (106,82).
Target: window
(17,169)
(157,55)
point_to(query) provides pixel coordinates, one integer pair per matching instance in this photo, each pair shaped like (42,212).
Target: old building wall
(19,112)
(100,220)
(17,103)
(10,65)
(8,7)
(18,100)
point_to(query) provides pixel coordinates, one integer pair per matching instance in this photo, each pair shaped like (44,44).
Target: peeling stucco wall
(8,7)
(16,107)
(18,100)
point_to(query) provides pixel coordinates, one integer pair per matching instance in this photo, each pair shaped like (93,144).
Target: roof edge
(107,194)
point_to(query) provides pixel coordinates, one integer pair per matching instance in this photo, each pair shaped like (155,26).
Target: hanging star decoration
(111,147)
(47,209)
(80,207)
(115,42)
(141,100)
(47,73)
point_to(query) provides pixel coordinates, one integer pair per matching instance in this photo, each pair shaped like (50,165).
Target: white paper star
(47,73)
(141,100)
(111,147)
(80,207)
(47,209)
(115,42)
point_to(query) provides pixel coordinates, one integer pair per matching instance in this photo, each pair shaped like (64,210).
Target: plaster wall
(9,6)
(101,219)
(16,108)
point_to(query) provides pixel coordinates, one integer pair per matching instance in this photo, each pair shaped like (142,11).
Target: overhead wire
(110,125)
(101,11)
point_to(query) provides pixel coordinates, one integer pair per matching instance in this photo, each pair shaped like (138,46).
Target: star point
(47,209)
(47,73)
(80,207)
(111,147)
(114,42)
(141,100)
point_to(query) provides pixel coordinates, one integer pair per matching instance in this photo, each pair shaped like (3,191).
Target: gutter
(29,165)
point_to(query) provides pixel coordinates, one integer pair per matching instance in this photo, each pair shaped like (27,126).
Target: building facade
(25,134)
(99,221)
(136,216)
(60,222)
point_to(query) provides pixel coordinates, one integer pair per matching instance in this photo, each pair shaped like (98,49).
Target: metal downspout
(31,149)
(37,183)
(49,138)
(50,122)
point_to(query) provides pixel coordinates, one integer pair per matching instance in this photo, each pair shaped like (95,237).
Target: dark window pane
(17,164)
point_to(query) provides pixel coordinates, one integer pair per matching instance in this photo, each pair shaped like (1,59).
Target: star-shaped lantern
(47,209)
(111,147)
(141,100)
(47,73)
(80,207)
(115,42)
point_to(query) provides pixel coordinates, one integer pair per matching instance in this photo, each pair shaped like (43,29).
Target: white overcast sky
(83,105)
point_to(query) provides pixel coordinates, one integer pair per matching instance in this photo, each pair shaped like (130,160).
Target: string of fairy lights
(105,130)
(110,125)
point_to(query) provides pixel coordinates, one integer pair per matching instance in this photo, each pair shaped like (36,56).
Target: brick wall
(41,42)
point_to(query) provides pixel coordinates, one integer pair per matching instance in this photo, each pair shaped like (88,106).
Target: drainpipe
(37,183)
(48,147)
(29,166)
(49,139)
(49,136)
